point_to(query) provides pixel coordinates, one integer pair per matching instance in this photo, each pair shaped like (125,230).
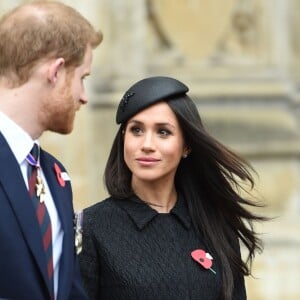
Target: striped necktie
(36,192)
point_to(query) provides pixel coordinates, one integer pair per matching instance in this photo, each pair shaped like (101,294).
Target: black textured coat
(132,252)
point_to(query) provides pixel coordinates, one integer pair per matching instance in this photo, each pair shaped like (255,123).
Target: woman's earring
(187,152)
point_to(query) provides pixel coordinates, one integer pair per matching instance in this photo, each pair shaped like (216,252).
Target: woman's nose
(147,144)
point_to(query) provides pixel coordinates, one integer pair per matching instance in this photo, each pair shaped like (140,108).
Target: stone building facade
(241,59)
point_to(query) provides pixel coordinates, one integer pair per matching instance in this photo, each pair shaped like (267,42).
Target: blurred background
(241,60)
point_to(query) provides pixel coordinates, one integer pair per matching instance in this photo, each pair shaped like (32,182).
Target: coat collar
(142,214)
(16,137)
(17,194)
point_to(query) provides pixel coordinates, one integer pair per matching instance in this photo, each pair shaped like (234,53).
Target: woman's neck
(160,198)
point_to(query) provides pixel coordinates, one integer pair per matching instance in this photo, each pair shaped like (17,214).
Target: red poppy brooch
(61,177)
(203,258)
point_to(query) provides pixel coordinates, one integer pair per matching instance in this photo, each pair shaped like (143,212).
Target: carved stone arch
(193,27)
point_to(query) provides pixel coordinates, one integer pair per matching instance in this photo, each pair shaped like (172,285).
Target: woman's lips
(147,161)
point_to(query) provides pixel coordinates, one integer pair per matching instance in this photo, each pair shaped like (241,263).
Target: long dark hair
(210,179)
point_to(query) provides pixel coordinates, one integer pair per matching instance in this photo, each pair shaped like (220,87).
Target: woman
(172,225)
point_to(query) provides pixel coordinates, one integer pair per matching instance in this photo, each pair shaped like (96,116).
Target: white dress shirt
(21,143)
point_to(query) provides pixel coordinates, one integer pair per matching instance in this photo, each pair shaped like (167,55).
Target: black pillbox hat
(147,92)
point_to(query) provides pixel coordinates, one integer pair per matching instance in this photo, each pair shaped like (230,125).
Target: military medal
(78,231)
(40,189)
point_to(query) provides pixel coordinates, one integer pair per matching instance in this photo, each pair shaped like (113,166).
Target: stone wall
(241,60)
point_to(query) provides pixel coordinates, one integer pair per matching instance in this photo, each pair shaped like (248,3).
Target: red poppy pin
(59,177)
(203,258)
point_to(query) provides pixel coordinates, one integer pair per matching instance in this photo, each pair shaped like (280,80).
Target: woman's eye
(135,130)
(164,132)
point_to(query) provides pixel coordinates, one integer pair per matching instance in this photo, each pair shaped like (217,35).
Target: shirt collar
(18,140)
(142,214)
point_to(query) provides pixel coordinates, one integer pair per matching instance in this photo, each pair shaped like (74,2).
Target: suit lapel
(62,197)
(17,194)
(47,164)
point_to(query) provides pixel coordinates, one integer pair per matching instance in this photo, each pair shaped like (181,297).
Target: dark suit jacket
(22,263)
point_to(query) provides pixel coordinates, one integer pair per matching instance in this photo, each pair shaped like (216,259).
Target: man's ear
(54,70)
